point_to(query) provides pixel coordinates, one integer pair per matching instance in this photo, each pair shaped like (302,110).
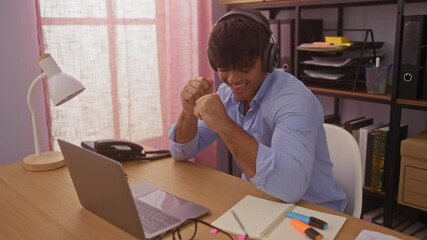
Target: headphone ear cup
(265,61)
(273,56)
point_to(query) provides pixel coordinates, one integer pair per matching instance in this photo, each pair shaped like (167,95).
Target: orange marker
(309,231)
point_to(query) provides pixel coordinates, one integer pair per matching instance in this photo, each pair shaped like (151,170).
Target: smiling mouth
(238,88)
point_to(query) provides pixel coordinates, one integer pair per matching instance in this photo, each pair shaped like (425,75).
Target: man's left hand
(211,110)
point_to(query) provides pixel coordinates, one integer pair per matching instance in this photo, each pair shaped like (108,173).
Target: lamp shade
(62,87)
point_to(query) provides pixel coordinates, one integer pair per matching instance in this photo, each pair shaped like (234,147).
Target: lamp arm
(33,113)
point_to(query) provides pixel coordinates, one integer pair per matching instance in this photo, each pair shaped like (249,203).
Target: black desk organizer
(353,72)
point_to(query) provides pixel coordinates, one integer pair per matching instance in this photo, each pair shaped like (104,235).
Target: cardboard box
(413,171)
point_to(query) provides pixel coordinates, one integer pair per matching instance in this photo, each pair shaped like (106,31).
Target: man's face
(244,82)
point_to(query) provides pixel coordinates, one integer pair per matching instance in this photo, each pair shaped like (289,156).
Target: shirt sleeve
(284,169)
(184,151)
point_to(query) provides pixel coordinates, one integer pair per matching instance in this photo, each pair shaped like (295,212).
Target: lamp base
(45,162)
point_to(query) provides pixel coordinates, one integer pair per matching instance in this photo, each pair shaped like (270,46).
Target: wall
(18,67)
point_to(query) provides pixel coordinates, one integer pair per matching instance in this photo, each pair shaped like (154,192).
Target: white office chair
(345,156)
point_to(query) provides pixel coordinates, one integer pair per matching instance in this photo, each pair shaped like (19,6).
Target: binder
(354,126)
(284,34)
(332,119)
(352,120)
(287,44)
(379,155)
(275,29)
(368,160)
(366,143)
(413,60)
(265,219)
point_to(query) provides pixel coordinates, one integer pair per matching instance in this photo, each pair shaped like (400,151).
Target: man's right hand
(193,90)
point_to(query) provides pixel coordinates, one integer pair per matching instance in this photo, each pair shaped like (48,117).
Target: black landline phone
(122,150)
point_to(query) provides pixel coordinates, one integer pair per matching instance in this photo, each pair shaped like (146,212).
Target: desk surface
(44,205)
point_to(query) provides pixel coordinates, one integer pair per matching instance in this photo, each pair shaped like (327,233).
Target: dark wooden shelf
(373,192)
(269,4)
(350,94)
(376,194)
(417,104)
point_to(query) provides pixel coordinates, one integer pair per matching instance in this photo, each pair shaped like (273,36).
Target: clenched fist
(211,110)
(193,90)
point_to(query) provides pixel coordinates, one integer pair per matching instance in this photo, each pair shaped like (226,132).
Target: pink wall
(18,67)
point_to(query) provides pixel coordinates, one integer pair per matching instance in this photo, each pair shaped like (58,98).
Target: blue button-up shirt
(286,119)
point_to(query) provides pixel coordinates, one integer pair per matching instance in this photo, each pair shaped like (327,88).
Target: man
(269,121)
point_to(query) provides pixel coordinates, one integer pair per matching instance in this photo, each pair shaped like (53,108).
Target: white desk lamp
(62,87)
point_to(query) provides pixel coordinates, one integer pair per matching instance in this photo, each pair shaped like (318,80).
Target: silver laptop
(102,188)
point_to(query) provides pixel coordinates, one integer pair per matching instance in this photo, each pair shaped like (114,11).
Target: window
(133,56)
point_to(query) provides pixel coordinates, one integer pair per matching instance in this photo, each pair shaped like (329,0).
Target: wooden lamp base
(45,162)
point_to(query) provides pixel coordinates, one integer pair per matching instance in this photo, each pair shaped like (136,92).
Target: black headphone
(270,55)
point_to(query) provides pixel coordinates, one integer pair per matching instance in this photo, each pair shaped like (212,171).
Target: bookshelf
(396,105)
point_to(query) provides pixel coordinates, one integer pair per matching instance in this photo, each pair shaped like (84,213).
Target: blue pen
(312,221)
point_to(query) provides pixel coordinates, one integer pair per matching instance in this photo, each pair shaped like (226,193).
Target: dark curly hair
(237,41)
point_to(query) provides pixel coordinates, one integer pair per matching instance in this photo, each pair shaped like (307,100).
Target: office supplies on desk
(240,224)
(122,150)
(102,188)
(312,221)
(265,219)
(306,229)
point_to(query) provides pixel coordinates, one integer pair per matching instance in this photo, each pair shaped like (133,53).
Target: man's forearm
(186,128)
(243,147)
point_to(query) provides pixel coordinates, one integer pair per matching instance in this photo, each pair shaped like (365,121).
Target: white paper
(371,235)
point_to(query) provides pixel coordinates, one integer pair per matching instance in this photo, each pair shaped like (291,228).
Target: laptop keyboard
(153,219)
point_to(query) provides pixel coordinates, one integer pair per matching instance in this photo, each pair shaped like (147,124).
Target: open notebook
(265,219)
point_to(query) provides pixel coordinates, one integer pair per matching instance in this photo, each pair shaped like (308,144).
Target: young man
(270,122)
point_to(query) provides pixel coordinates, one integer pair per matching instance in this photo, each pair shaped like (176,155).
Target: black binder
(412,63)
(287,41)
(284,33)
(275,29)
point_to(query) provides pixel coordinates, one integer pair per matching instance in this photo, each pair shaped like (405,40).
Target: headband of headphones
(254,17)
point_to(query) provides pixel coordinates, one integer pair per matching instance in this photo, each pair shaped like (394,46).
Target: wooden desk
(44,205)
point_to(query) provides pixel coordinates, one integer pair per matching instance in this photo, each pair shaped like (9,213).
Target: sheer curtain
(133,56)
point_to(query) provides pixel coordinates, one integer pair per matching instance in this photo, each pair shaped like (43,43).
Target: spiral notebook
(265,219)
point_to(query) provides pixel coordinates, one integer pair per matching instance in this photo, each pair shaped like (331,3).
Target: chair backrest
(345,156)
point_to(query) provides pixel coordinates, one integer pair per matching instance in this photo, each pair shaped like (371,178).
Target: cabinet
(390,99)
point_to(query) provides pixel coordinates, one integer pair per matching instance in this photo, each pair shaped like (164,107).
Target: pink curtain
(133,56)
